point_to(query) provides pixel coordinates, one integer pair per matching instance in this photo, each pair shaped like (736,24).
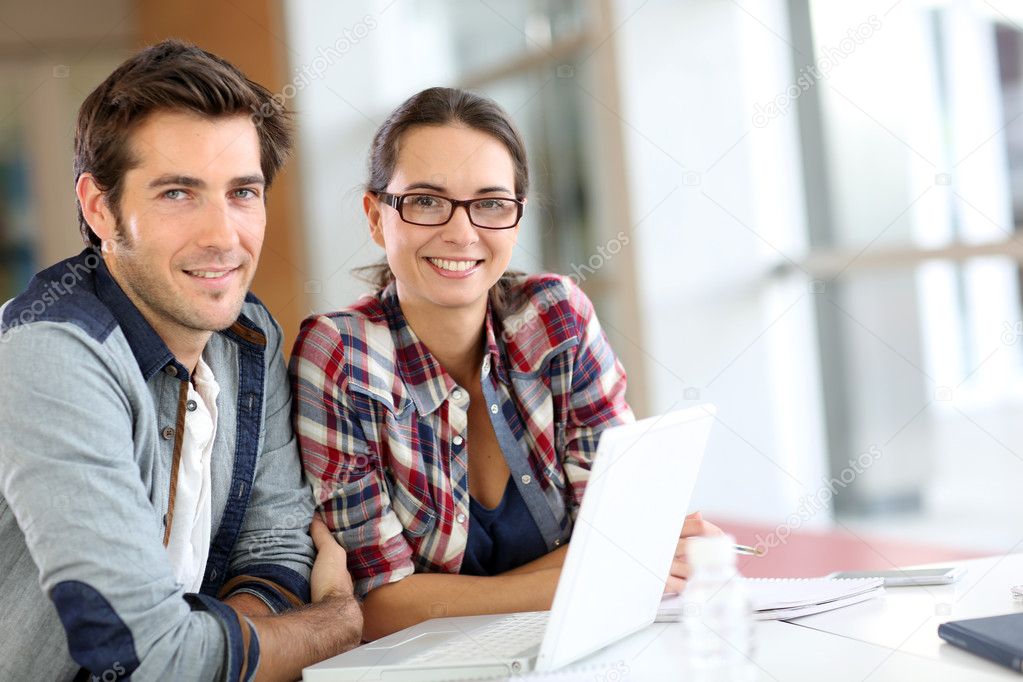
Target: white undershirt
(189,542)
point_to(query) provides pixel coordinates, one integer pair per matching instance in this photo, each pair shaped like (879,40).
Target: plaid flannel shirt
(381,424)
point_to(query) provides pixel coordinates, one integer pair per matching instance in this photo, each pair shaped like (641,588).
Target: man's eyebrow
(256,179)
(189,181)
(171,179)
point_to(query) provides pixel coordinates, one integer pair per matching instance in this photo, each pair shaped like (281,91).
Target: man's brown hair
(169,76)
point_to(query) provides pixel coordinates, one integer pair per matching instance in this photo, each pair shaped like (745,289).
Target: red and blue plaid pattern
(378,422)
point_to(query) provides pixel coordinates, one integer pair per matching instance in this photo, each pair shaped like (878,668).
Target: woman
(448,422)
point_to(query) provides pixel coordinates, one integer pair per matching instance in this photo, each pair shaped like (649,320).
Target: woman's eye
(491,204)
(425,202)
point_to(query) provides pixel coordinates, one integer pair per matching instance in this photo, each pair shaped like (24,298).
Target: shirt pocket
(556,476)
(560,438)
(415,515)
(555,493)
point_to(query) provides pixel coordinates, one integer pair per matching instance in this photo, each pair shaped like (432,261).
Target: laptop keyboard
(503,639)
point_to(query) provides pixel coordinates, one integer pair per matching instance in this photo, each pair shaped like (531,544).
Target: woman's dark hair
(438,107)
(169,76)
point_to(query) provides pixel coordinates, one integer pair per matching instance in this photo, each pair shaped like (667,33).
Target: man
(153,518)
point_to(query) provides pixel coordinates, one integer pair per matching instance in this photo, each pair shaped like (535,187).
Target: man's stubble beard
(158,297)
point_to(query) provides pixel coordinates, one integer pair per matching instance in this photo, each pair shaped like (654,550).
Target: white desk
(894,637)
(907,618)
(785,652)
(891,638)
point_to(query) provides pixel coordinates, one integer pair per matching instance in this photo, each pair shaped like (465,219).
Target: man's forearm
(291,641)
(423,596)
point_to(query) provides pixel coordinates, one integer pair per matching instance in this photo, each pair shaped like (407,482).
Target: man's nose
(219,230)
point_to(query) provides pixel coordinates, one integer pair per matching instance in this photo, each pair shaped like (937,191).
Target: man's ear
(94,207)
(371,205)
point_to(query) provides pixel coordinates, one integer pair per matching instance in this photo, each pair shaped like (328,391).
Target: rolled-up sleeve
(343,467)
(597,398)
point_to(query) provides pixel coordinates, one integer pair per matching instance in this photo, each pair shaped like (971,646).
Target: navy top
(501,538)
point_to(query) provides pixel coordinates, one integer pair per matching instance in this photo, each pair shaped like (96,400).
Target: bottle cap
(713,550)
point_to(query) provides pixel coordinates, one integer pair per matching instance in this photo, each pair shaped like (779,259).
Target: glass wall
(920,324)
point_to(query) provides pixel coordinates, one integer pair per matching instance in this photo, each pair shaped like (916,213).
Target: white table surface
(907,618)
(894,637)
(783,652)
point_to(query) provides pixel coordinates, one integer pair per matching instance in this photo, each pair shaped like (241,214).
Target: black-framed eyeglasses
(431,210)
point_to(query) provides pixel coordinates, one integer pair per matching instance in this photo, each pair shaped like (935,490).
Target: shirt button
(167,433)
(190,406)
(494,409)
(171,370)
(457,440)
(526,478)
(557,543)
(456,394)
(460,518)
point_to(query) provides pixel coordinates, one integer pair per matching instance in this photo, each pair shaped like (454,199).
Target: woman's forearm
(553,559)
(422,596)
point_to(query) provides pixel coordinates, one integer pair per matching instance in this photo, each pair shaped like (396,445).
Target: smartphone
(909,576)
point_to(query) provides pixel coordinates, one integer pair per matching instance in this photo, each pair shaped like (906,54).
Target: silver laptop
(618,561)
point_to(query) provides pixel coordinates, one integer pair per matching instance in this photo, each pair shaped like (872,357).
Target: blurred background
(807,212)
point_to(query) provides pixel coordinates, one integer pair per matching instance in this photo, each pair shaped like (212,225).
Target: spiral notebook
(788,598)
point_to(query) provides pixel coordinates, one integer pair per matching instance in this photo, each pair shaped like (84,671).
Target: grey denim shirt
(92,407)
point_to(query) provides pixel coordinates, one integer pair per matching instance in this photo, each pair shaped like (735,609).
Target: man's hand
(330,577)
(693,526)
(329,626)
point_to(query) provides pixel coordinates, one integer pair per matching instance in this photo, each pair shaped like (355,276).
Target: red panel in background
(807,553)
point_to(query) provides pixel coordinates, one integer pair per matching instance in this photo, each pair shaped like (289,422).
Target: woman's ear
(95,208)
(515,232)
(371,206)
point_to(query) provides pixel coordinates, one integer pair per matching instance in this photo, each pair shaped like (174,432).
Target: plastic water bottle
(716,615)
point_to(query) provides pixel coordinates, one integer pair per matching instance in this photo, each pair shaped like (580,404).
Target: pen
(746,549)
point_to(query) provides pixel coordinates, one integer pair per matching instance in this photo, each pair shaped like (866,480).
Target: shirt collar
(495,348)
(150,351)
(426,380)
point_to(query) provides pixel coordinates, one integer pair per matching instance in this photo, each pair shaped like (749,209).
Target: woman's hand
(330,577)
(694,526)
